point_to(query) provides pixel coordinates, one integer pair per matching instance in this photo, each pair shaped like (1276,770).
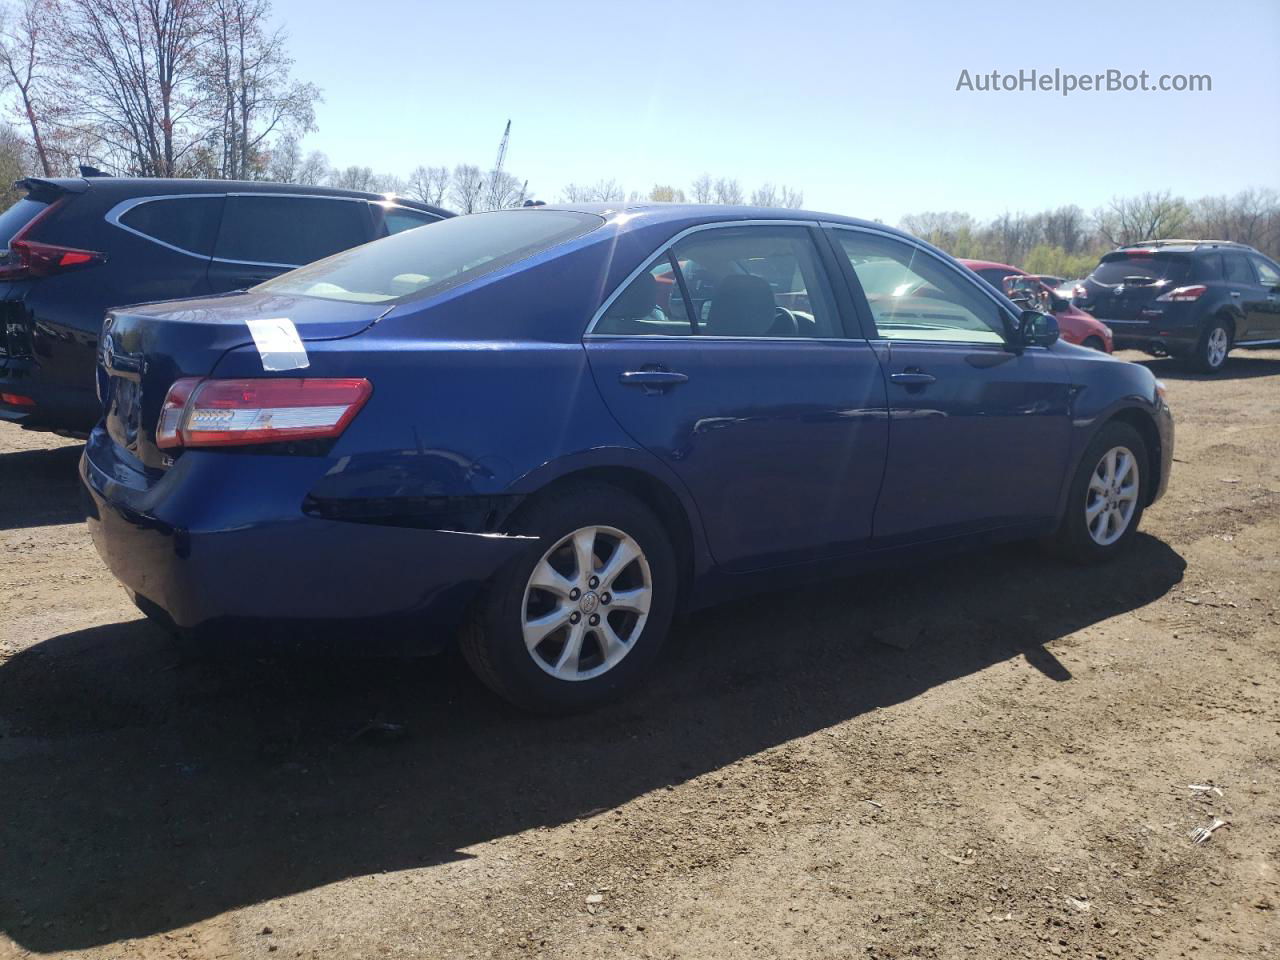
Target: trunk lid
(144,349)
(1125,282)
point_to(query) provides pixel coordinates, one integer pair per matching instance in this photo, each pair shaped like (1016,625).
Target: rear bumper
(1156,330)
(1164,427)
(54,406)
(223,536)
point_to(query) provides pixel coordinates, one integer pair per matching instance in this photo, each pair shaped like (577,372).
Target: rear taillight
(224,413)
(1183,294)
(30,258)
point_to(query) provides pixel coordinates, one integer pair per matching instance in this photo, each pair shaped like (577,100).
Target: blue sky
(854,103)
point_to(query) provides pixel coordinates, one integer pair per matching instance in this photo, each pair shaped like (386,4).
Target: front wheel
(1210,352)
(581,617)
(1108,493)
(1095,343)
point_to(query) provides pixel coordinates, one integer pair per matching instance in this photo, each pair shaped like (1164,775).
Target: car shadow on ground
(40,487)
(143,792)
(1238,367)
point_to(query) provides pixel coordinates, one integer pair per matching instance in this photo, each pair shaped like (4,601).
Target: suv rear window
(17,217)
(188,223)
(1140,267)
(419,262)
(290,230)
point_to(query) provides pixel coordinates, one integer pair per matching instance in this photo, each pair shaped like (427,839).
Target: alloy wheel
(1112,496)
(586,603)
(1216,347)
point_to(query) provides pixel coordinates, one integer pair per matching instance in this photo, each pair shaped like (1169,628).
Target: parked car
(1194,299)
(509,424)
(1033,291)
(76,246)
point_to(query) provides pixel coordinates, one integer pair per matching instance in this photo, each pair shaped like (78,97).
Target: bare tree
(503,189)
(137,78)
(15,161)
(1065,228)
(703,189)
(314,169)
(728,191)
(791,199)
(23,62)
(765,196)
(353,178)
(602,191)
(246,71)
(285,160)
(428,184)
(1151,216)
(466,187)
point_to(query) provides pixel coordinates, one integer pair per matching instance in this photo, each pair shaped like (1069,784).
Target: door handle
(1235,293)
(912,378)
(652,378)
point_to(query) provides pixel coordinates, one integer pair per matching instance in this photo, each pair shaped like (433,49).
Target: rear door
(978,434)
(263,235)
(726,356)
(1247,293)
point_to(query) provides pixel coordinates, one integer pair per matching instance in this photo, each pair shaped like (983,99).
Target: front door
(727,358)
(978,434)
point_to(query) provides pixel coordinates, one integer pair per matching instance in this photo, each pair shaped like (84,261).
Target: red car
(1074,324)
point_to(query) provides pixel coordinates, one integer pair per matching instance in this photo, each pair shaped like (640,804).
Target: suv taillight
(225,413)
(30,258)
(1183,294)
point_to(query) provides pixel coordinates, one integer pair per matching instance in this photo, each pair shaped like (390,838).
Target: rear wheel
(1107,496)
(1210,352)
(581,617)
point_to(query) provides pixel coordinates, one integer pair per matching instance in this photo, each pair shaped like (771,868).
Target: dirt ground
(1012,779)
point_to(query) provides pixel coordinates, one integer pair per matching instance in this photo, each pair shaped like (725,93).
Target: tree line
(1067,242)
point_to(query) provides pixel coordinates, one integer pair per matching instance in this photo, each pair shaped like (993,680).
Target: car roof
(1183,246)
(989,265)
(648,212)
(157,186)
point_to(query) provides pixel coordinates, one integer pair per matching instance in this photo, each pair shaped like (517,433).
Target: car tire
(615,645)
(1102,514)
(1210,352)
(1095,343)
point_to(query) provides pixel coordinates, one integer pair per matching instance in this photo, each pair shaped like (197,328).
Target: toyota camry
(543,433)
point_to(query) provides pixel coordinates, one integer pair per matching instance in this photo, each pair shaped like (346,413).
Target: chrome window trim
(662,250)
(113,216)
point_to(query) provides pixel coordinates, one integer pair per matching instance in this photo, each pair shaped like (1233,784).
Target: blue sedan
(545,432)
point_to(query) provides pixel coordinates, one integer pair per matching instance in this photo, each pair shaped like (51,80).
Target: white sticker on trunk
(278,344)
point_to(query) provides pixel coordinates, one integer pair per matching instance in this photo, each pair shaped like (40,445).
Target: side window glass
(1237,267)
(290,230)
(188,223)
(1268,274)
(651,305)
(390,219)
(757,282)
(914,296)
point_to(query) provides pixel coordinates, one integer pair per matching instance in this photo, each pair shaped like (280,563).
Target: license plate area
(124,410)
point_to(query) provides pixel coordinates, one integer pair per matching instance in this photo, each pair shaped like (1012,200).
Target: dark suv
(1194,299)
(77,246)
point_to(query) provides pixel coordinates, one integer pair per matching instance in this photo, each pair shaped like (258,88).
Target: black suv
(78,246)
(1194,299)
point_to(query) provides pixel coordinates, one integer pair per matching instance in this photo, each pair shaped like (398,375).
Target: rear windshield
(1140,268)
(433,259)
(17,217)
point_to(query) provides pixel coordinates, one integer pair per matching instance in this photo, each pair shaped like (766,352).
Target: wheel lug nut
(575,593)
(595,619)
(593,582)
(575,617)
(606,597)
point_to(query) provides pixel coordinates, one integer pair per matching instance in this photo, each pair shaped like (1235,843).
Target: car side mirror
(1036,329)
